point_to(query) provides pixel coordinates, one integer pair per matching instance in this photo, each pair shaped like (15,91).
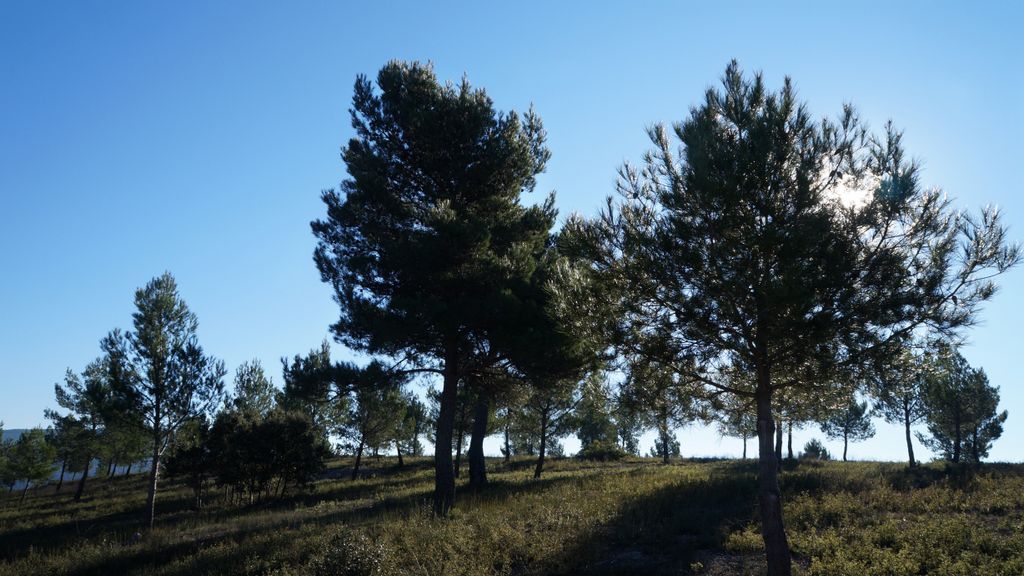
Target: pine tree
(313,386)
(899,391)
(851,422)
(788,248)
(961,410)
(31,459)
(161,372)
(254,391)
(88,399)
(427,246)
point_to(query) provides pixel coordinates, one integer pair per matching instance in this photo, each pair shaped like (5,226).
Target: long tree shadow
(282,529)
(665,531)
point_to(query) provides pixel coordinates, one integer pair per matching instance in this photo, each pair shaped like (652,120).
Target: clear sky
(195,137)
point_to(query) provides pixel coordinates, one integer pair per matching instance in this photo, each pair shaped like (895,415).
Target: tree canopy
(791,248)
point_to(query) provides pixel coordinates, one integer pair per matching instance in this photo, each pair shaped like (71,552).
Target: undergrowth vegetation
(625,517)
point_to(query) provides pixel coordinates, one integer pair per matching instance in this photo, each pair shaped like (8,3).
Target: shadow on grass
(250,541)
(664,531)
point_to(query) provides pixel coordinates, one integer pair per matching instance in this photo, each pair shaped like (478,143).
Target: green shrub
(602,451)
(815,450)
(351,554)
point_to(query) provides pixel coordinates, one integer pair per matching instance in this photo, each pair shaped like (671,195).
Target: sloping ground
(635,517)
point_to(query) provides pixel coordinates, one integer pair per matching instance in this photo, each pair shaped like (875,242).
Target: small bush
(351,554)
(602,451)
(815,450)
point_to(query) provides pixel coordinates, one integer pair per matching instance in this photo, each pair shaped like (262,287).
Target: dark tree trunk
(461,426)
(477,464)
(906,424)
(663,432)
(154,476)
(778,443)
(974,445)
(444,474)
(359,456)
(508,445)
(24,491)
(744,445)
(127,469)
(63,465)
(789,439)
(543,445)
(398,450)
(773,532)
(458,455)
(81,481)
(110,468)
(846,442)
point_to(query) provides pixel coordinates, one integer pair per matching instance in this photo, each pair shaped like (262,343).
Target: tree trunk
(24,491)
(398,450)
(154,476)
(127,469)
(974,445)
(477,464)
(543,445)
(460,438)
(744,445)
(789,440)
(846,442)
(444,474)
(663,432)
(778,443)
(773,532)
(508,445)
(63,465)
(910,445)
(359,456)
(81,481)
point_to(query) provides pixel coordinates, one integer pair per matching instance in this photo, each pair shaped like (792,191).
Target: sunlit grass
(616,518)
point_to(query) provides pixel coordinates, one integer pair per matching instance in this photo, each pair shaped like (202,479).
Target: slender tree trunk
(508,445)
(789,439)
(444,474)
(773,532)
(744,445)
(663,432)
(477,464)
(460,439)
(906,424)
(778,443)
(110,468)
(127,469)
(398,450)
(846,442)
(543,445)
(974,445)
(359,456)
(63,465)
(81,481)
(24,491)
(154,476)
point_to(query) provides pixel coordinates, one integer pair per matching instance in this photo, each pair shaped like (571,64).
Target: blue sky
(195,137)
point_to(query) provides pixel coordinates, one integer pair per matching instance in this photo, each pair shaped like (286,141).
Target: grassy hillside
(636,517)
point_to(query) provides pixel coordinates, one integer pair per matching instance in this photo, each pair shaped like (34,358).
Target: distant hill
(14,434)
